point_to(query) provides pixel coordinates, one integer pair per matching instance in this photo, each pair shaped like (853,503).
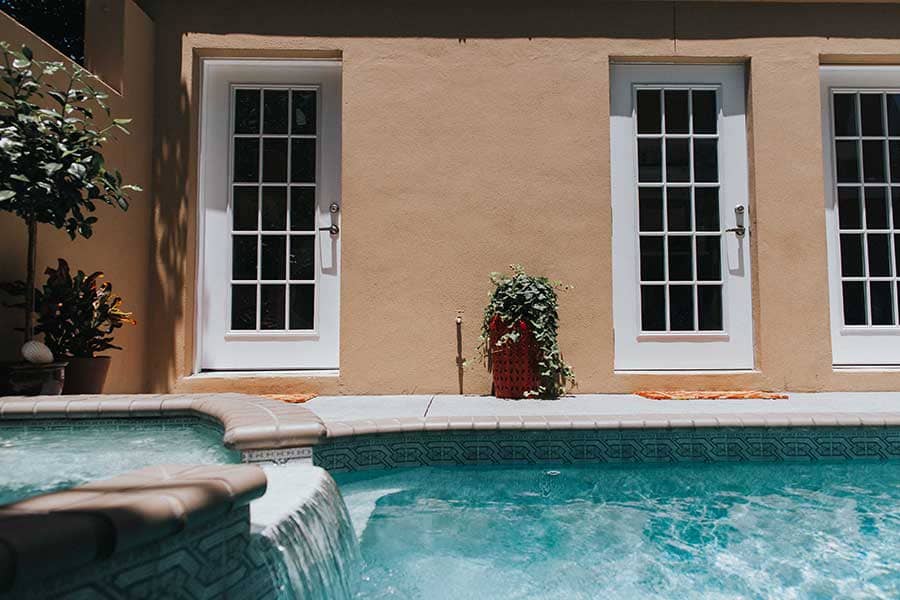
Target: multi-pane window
(866,129)
(273,209)
(680,237)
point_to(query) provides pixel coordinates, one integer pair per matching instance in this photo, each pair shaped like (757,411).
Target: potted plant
(518,337)
(51,171)
(78,316)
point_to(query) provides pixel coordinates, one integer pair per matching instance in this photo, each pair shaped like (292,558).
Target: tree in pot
(78,316)
(51,169)
(519,337)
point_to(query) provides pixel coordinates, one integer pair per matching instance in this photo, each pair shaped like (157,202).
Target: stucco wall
(476,134)
(121,243)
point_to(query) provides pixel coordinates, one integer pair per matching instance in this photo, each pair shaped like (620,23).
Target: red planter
(514,365)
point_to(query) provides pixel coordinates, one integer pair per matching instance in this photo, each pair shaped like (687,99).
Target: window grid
(259,233)
(692,233)
(890,186)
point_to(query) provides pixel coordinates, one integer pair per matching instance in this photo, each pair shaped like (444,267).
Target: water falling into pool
(303,536)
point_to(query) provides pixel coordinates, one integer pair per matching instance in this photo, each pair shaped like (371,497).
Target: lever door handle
(739,231)
(332,229)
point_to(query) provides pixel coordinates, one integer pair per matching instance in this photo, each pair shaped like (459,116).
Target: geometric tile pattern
(209,561)
(132,424)
(568,447)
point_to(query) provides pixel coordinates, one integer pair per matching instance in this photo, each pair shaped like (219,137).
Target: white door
(681,237)
(861,139)
(269,264)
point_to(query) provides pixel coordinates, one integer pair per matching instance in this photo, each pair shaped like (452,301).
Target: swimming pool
(689,530)
(42,456)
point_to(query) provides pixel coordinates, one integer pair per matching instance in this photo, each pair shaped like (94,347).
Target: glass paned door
(270,209)
(681,277)
(861,139)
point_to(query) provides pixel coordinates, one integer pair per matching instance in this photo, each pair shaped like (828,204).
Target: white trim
(636,350)
(855,347)
(294,374)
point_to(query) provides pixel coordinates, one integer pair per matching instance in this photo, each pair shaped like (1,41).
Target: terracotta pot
(86,375)
(26,379)
(514,365)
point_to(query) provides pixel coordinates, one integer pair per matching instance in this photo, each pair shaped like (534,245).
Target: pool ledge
(250,422)
(53,533)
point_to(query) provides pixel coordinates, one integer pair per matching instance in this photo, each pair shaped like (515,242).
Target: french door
(681,245)
(269,220)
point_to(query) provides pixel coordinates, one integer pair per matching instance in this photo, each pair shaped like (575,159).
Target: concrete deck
(355,415)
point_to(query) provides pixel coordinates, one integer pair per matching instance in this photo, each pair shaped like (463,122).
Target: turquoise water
(47,456)
(689,531)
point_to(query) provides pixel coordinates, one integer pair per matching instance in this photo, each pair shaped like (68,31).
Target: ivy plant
(54,124)
(523,297)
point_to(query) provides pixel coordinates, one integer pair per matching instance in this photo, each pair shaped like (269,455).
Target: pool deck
(356,415)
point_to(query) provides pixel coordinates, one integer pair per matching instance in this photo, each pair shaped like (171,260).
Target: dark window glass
(303,208)
(854,303)
(243,307)
(681,307)
(246,113)
(871,112)
(877,208)
(652,266)
(648,113)
(847,161)
(893,111)
(678,206)
(275,111)
(879,254)
(245,208)
(273,256)
(243,257)
(894,151)
(271,314)
(303,257)
(845,114)
(873,161)
(303,161)
(709,307)
(676,111)
(895,206)
(851,255)
(246,160)
(849,208)
(274,208)
(303,302)
(275,160)
(678,160)
(303,109)
(681,258)
(709,258)
(706,161)
(706,209)
(881,303)
(705,113)
(650,209)
(653,308)
(649,161)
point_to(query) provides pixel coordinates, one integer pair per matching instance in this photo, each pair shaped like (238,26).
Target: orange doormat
(291,398)
(695,395)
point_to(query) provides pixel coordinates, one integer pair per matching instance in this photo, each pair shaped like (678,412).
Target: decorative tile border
(281,456)
(164,423)
(617,446)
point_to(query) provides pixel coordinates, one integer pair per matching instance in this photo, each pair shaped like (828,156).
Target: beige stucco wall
(477,135)
(121,243)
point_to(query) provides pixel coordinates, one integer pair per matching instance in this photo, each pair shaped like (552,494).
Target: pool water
(689,531)
(47,456)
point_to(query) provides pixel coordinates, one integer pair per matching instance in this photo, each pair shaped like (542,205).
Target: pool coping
(52,533)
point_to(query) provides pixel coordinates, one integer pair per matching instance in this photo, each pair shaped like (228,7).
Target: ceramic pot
(86,375)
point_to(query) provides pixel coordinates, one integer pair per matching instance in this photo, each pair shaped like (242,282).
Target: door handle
(332,229)
(739,231)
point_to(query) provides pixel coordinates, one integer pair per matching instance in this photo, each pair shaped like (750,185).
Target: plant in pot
(52,171)
(78,316)
(519,337)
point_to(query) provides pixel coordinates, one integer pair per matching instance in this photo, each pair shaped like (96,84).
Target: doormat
(291,398)
(724,395)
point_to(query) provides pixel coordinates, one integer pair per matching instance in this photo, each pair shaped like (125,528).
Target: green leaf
(6,194)
(52,168)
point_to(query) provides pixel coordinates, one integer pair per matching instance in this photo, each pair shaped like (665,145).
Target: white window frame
(732,348)
(852,346)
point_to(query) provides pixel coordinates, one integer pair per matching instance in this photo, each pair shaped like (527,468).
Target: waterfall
(303,545)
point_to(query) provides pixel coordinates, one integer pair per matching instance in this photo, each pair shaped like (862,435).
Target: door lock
(332,229)
(739,231)
(334,207)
